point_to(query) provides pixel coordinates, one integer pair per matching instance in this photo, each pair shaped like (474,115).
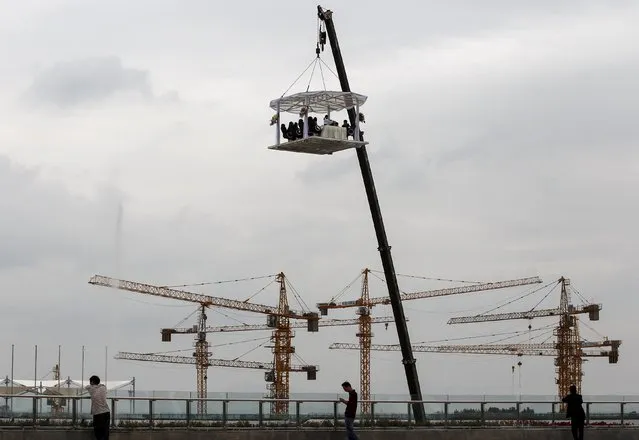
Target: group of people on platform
(295,130)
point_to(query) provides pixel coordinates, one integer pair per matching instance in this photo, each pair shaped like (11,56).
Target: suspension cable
(343,291)
(222,281)
(518,298)
(260,290)
(298,78)
(545,296)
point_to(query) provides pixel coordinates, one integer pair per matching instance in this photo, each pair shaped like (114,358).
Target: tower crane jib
(187,360)
(166,292)
(480,287)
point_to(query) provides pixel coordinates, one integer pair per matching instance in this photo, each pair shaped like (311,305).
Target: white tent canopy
(318,102)
(66,386)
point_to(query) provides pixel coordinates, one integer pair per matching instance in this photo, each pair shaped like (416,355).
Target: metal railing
(42,411)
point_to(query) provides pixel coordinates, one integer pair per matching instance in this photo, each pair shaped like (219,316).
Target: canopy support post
(356,128)
(305,133)
(277,126)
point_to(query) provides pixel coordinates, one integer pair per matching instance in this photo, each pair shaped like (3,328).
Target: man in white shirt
(99,408)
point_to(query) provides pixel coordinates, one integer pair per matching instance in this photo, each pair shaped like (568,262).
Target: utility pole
(384,248)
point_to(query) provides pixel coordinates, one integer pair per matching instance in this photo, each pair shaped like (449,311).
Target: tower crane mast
(365,335)
(282,351)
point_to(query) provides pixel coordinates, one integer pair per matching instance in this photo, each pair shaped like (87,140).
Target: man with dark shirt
(575,412)
(351,409)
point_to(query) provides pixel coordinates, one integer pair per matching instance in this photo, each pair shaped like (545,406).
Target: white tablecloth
(333,132)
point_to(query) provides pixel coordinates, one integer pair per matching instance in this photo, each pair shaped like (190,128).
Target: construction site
(562,338)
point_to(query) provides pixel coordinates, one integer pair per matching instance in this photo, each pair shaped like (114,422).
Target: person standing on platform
(351,409)
(575,412)
(99,408)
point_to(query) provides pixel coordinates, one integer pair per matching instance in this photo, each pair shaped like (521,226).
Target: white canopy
(67,386)
(318,102)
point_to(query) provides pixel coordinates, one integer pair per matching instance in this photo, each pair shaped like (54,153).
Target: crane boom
(436,293)
(249,327)
(166,292)
(151,357)
(591,309)
(540,349)
(384,248)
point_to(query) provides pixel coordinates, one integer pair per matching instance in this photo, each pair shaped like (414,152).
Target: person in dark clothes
(290,131)
(575,412)
(284,131)
(311,126)
(351,409)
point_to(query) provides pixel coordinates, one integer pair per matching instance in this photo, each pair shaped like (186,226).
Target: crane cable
(516,333)
(545,296)
(187,317)
(518,298)
(317,60)
(348,286)
(252,349)
(208,283)
(432,278)
(297,296)
(261,290)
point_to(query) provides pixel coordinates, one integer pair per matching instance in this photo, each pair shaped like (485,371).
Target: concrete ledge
(318,434)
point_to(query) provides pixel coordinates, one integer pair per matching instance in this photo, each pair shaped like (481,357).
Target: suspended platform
(315,135)
(317,145)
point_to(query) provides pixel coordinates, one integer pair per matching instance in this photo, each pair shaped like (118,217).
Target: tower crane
(364,305)
(568,360)
(282,349)
(280,314)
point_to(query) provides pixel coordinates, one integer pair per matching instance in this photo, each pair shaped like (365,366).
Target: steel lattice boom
(540,349)
(591,309)
(166,292)
(253,327)
(434,293)
(151,357)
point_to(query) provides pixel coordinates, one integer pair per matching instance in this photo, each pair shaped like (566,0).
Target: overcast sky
(502,141)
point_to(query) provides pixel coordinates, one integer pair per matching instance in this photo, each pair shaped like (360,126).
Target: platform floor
(317,145)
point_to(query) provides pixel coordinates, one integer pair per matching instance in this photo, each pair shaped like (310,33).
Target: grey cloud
(90,80)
